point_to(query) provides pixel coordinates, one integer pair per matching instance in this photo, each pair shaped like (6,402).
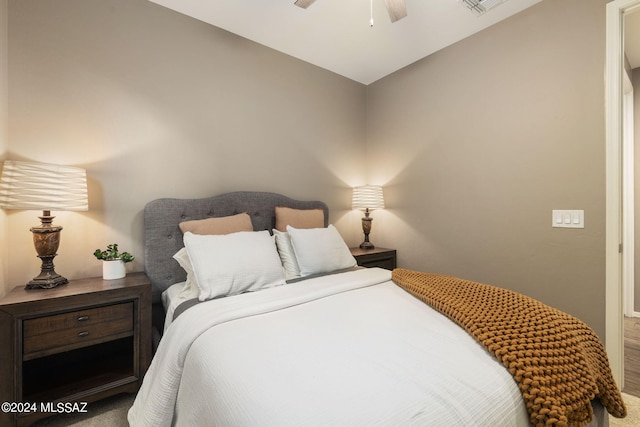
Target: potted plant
(113,261)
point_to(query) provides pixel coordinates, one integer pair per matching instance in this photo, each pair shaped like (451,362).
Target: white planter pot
(113,269)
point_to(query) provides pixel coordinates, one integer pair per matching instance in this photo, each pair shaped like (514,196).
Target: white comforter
(351,349)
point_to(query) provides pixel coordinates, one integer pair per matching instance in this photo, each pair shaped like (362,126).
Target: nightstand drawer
(61,330)
(386,263)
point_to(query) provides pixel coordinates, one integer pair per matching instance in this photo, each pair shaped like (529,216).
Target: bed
(286,330)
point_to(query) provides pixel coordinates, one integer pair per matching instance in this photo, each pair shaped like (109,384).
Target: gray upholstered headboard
(163,238)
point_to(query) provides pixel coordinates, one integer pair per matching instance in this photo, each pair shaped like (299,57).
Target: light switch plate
(567,218)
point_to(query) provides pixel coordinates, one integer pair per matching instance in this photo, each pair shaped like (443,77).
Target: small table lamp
(367,198)
(39,186)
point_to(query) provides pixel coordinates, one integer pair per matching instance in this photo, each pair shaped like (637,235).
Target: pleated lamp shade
(41,186)
(368,197)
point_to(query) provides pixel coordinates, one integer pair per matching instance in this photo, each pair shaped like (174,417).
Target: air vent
(479,7)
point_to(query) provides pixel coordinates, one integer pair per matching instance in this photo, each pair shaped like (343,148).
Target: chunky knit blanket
(558,362)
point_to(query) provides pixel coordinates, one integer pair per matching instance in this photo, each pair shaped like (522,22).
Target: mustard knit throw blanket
(558,362)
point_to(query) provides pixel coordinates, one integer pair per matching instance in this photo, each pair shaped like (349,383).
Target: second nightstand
(378,257)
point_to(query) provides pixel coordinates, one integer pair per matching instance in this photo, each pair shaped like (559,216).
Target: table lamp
(46,187)
(367,198)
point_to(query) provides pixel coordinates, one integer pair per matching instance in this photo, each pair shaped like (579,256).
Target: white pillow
(183,259)
(233,263)
(287,256)
(320,250)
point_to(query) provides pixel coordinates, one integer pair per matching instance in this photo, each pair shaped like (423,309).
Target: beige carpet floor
(112,412)
(633,413)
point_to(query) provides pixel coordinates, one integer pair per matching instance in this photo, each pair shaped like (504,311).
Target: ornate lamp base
(367,245)
(46,239)
(366,228)
(48,278)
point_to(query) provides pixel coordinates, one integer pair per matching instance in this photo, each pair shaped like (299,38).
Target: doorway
(617,268)
(631,192)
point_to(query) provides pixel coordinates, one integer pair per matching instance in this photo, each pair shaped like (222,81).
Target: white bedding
(173,296)
(350,349)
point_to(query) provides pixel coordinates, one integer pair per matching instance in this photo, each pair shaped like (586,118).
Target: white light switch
(567,218)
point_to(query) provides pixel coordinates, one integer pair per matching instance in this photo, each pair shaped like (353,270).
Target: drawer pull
(83,334)
(82,318)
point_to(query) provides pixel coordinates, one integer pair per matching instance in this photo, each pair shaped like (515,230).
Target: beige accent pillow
(298,218)
(220,225)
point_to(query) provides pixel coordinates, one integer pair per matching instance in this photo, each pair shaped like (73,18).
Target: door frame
(628,199)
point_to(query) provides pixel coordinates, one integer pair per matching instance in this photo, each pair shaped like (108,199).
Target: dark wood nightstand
(378,257)
(79,342)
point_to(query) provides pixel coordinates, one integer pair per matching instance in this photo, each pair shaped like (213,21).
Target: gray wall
(477,144)
(156,104)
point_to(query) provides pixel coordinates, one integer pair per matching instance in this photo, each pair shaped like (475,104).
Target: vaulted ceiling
(336,34)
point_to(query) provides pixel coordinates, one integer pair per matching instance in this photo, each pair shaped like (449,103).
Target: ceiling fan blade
(304,3)
(397,9)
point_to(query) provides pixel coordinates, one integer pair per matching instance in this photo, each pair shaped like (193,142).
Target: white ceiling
(335,34)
